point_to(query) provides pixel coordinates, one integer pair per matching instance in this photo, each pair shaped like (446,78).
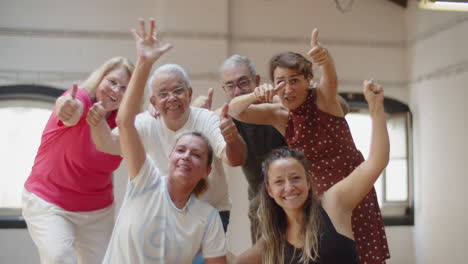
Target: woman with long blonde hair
(68,197)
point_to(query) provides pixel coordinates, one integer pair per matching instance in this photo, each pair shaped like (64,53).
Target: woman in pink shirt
(68,198)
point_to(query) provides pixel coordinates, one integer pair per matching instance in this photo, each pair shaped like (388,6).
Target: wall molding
(116,35)
(40,77)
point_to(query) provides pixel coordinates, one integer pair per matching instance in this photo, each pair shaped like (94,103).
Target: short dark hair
(291,60)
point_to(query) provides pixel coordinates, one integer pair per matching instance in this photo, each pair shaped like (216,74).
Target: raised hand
(265,92)
(204,101)
(96,114)
(317,53)
(148,46)
(374,94)
(69,105)
(227,126)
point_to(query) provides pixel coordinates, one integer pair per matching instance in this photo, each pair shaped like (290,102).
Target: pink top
(68,170)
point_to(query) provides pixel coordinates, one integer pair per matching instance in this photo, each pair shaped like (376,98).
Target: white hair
(168,68)
(237,59)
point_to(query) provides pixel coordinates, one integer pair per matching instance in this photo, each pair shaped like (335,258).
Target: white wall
(438,91)
(57,42)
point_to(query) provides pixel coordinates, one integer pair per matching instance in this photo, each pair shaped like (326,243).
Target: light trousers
(64,237)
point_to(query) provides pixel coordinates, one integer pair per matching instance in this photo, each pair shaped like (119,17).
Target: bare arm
(148,50)
(252,255)
(351,190)
(68,109)
(217,260)
(245,108)
(327,100)
(105,139)
(235,152)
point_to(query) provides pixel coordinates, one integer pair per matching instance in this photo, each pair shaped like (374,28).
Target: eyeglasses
(243,83)
(176,93)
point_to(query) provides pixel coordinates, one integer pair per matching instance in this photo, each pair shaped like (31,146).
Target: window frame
(393,213)
(31,92)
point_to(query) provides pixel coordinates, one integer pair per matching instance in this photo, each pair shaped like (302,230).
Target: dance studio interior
(418,55)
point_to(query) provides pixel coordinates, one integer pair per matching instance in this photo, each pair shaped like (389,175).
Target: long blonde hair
(94,79)
(273,220)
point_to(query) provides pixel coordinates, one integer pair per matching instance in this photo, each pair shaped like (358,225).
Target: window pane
(360,126)
(397,133)
(20,139)
(397,180)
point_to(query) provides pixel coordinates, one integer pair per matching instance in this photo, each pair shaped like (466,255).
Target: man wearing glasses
(171,95)
(239,77)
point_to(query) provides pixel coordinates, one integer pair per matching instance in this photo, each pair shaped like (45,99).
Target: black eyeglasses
(243,83)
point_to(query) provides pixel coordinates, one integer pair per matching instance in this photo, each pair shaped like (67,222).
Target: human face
(188,160)
(288,184)
(237,80)
(171,96)
(294,92)
(112,88)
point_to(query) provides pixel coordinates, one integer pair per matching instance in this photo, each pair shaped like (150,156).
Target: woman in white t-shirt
(161,220)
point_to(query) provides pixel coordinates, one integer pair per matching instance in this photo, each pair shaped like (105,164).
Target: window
(394,186)
(24,111)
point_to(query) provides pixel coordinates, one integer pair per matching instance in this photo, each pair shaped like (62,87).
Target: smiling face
(295,91)
(171,96)
(188,160)
(288,184)
(112,88)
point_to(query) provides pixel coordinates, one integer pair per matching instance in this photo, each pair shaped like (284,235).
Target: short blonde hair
(94,79)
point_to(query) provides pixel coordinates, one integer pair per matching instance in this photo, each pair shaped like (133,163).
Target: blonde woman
(298,227)
(68,198)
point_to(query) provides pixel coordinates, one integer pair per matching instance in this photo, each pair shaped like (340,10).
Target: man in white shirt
(171,96)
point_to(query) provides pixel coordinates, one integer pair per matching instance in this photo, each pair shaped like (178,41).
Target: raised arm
(68,109)
(148,51)
(328,88)
(351,190)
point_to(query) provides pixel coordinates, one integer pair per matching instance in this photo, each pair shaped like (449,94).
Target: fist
(96,114)
(69,107)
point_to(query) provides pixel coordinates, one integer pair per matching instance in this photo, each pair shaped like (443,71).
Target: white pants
(67,237)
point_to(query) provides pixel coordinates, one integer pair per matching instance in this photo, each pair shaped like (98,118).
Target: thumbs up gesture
(204,101)
(96,114)
(69,105)
(227,126)
(317,53)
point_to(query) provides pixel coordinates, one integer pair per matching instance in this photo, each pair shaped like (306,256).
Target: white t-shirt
(151,229)
(159,140)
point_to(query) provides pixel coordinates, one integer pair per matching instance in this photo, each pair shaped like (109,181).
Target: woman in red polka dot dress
(312,120)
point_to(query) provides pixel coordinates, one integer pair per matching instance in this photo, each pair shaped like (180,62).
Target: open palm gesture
(148,46)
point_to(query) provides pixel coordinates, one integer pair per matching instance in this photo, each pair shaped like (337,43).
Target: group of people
(311,196)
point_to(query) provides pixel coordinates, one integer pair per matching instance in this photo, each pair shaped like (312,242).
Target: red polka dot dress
(328,145)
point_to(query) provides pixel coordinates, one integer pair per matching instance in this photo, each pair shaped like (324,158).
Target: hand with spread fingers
(265,93)
(148,46)
(317,53)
